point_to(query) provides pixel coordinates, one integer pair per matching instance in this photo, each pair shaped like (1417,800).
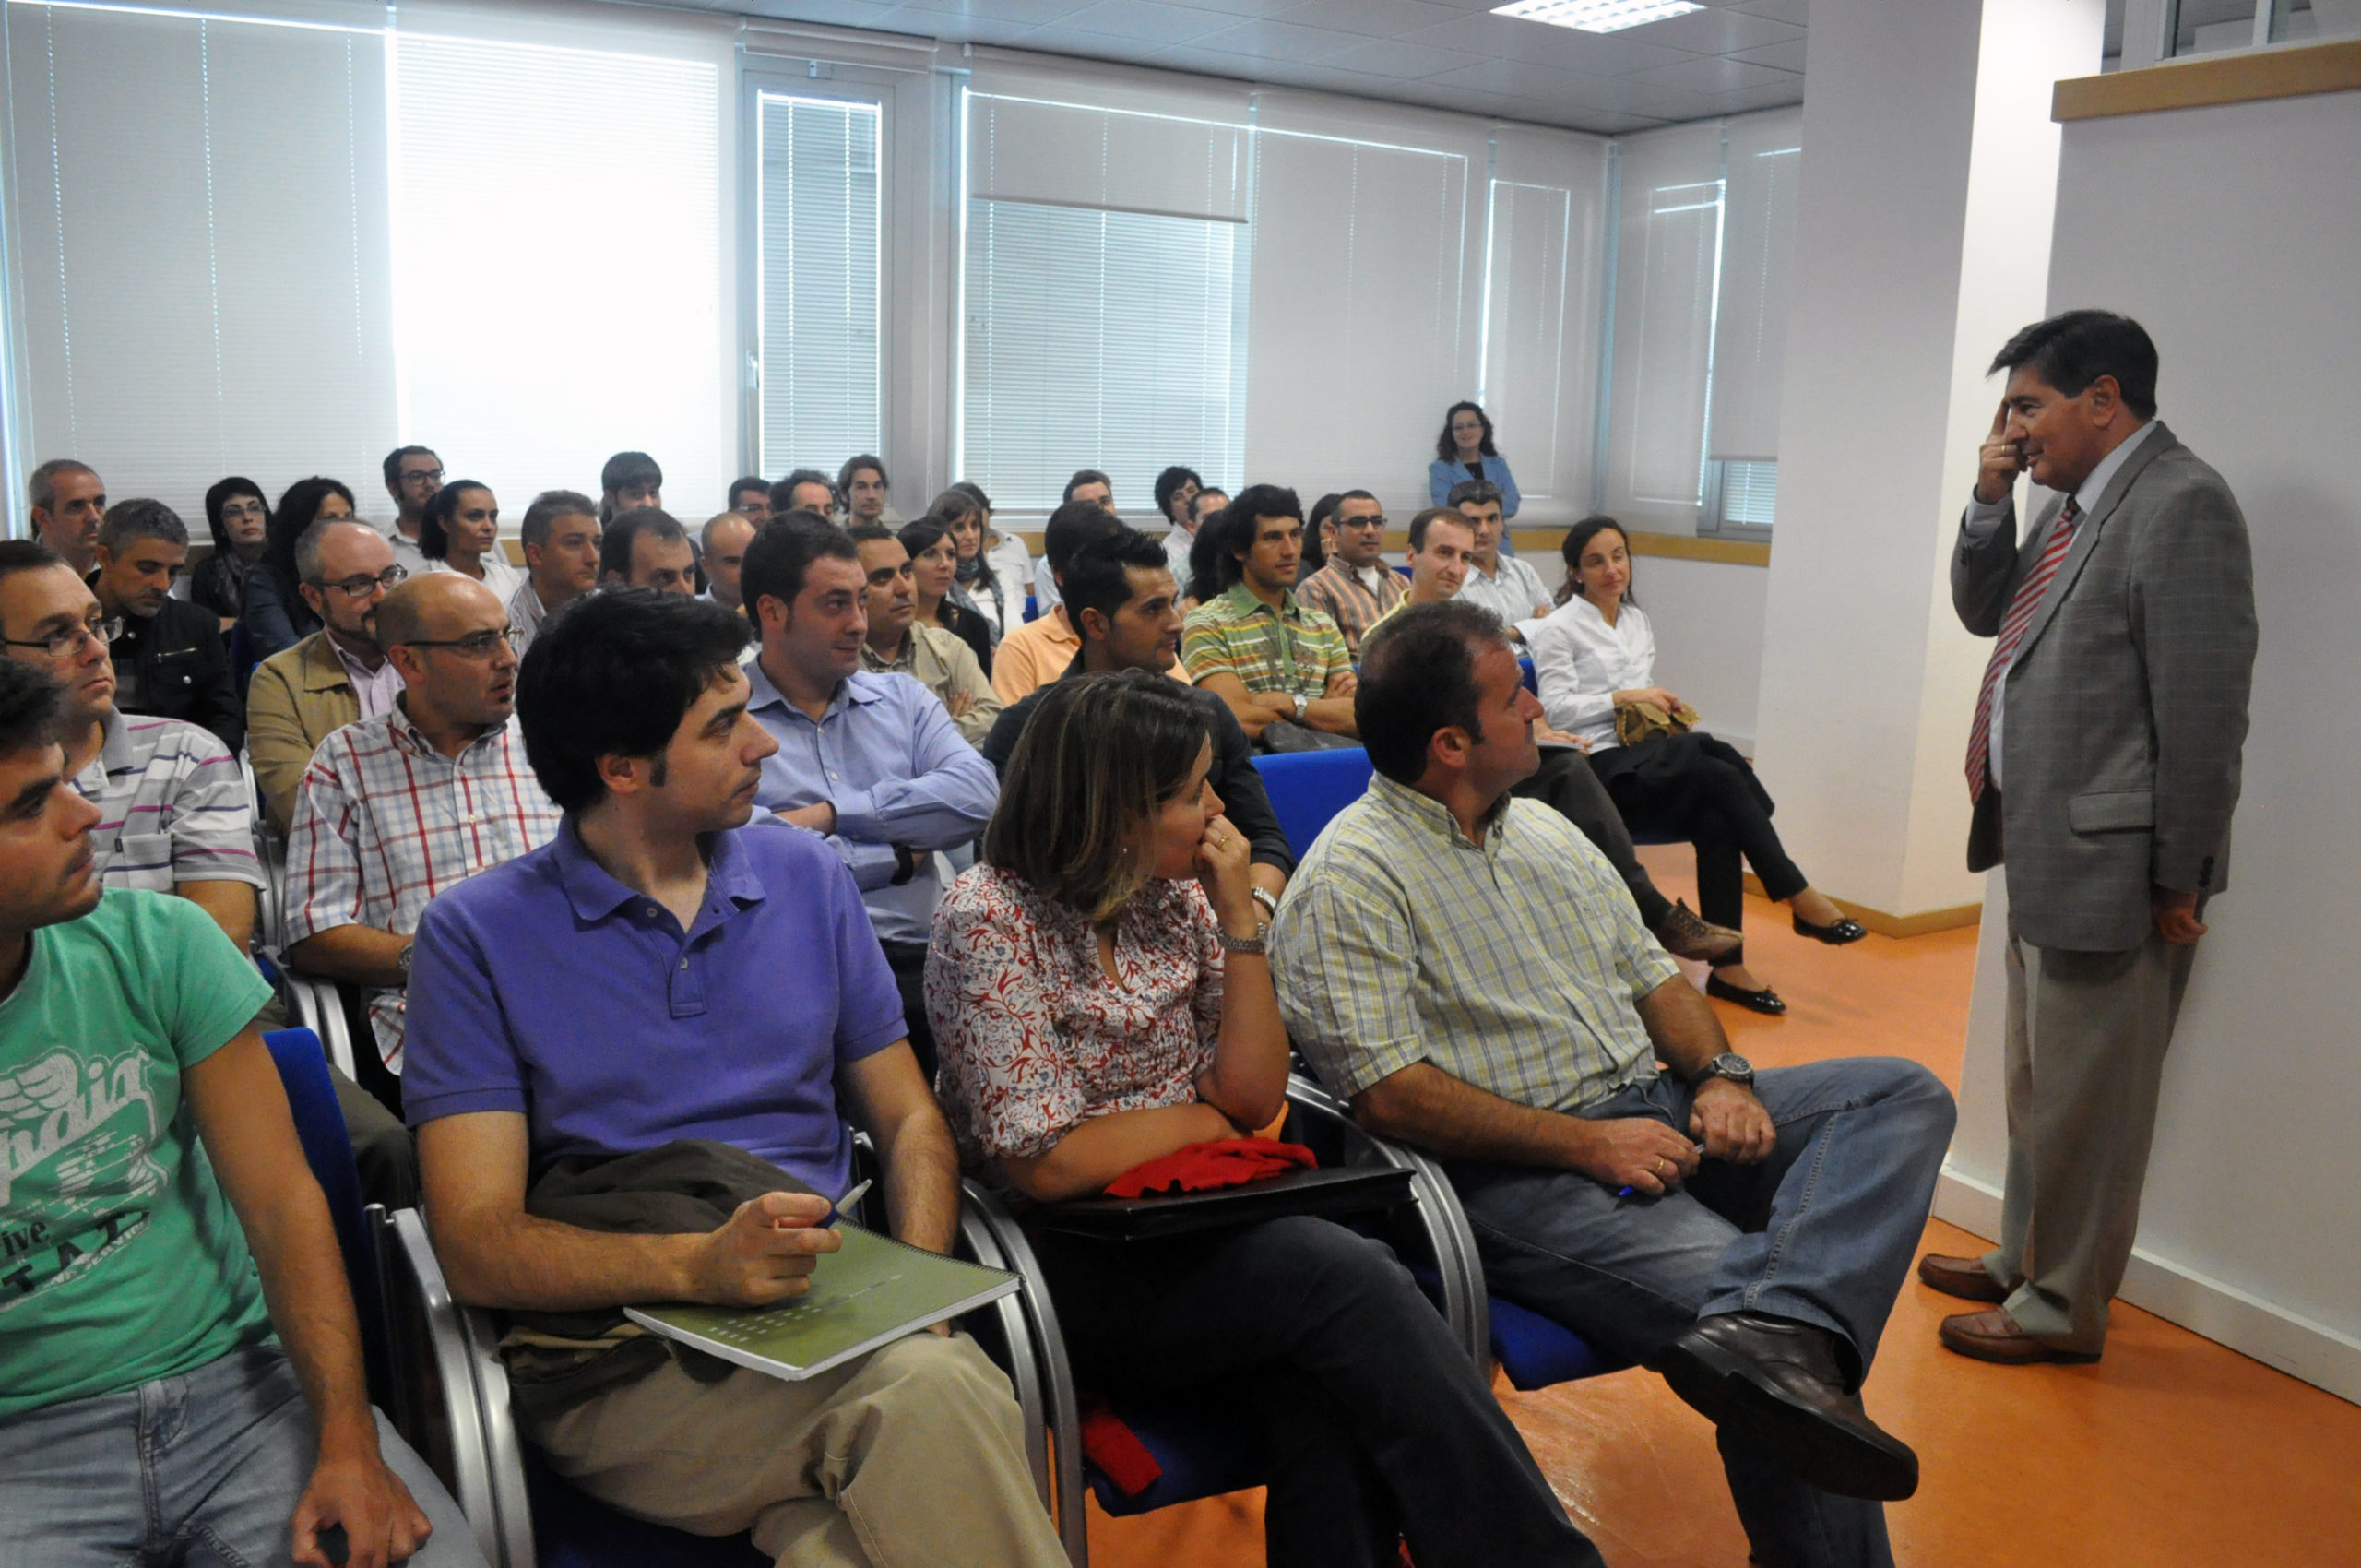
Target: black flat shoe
(1763,1001)
(1842,934)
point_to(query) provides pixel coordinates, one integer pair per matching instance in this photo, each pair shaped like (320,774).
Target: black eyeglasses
(58,644)
(427,476)
(354,587)
(1376,522)
(476,644)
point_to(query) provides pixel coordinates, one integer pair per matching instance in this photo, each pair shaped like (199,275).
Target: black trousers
(907,961)
(1377,1427)
(1697,787)
(1566,784)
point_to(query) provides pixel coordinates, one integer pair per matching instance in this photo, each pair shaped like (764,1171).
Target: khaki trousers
(912,1457)
(2085,1057)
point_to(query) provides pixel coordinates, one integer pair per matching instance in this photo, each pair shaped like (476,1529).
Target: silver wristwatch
(1731,1065)
(1254,943)
(1263,896)
(1301,704)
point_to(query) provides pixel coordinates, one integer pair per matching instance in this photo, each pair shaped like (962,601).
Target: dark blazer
(183,667)
(2127,702)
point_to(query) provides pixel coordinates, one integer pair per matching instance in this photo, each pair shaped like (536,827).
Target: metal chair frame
(319,1007)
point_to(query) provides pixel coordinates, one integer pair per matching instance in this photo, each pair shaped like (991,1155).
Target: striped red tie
(2013,632)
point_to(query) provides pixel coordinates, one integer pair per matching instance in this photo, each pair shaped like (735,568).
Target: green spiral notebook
(873,1292)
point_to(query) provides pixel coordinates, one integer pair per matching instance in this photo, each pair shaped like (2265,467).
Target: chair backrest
(328,1149)
(1308,788)
(1525,673)
(1032,610)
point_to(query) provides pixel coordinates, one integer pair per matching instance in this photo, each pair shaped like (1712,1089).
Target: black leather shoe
(1844,932)
(1763,1001)
(1778,1384)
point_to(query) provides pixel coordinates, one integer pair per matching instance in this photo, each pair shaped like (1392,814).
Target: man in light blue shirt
(873,763)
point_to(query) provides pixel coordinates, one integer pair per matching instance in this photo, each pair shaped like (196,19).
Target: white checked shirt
(383,822)
(174,807)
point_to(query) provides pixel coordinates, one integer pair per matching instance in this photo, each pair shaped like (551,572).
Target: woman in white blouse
(1594,653)
(460,532)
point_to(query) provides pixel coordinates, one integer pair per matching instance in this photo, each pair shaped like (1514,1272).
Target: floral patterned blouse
(1032,1037)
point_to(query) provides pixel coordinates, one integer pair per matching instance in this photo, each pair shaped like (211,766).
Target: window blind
(1759,243)
(1750,492)
(819,281)
(1530,236)
(201,239)
(1667,258)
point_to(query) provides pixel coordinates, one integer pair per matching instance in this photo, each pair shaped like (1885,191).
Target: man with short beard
(300,696)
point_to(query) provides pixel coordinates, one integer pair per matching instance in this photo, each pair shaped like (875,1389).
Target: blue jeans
(1822,1231)
(204,1468)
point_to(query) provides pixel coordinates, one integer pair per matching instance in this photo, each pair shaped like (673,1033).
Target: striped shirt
(385,822)
(1513,965)
(1343,595)
(173,805)
(1290,650)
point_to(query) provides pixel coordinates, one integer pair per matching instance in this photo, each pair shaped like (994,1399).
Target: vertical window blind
(1523,383)
(819,281)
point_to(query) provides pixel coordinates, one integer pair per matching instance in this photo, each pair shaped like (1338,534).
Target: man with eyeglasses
(300,696)
(397,808)
(413,474)
(169,660)
(1357,587)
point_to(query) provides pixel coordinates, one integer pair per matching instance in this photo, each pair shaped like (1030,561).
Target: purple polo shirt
(546,987)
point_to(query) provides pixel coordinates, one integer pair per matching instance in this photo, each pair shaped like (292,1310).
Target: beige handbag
(1637,721)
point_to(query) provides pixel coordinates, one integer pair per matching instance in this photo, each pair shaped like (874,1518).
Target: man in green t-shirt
(156,1223)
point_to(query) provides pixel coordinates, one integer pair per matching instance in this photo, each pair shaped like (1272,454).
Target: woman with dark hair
(275,615)
(993,569)
(1319,535)
(1465,451)
(1211,570)
(1595,659)
(459,531)
(1100,999)
(934,567)
(240,519)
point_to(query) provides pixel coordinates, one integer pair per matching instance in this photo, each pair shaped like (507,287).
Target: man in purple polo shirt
(656,973)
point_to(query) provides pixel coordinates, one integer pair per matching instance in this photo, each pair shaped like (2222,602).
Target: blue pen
(1626,1192)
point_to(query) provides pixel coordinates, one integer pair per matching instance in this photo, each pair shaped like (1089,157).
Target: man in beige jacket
(300,696)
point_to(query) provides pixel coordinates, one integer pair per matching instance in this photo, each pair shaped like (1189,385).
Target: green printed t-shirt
(121,1261)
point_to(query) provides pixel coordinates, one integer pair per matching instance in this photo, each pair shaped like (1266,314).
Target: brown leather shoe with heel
(1993,1335)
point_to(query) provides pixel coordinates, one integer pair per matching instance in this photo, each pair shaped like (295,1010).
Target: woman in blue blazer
(1465,451)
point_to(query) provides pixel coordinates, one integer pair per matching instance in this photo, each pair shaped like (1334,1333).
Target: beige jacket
(944,665)
(299,696)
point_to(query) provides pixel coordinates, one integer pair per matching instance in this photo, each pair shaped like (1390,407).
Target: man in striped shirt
(397,808)
(1357,587)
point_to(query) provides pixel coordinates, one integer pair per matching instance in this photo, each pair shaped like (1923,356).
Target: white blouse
(501,578)
(1581,663)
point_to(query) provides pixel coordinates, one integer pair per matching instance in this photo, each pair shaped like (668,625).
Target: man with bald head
(397,808)
(68,500)
(727,535)
(300,696)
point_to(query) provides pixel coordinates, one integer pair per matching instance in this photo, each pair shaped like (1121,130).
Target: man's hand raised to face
(1998,462)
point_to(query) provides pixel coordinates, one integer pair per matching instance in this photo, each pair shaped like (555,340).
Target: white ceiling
(1734,56)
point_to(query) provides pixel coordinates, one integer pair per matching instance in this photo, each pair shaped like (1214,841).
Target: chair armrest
(1050,1409)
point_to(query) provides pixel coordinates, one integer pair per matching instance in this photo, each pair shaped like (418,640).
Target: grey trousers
(2086,1036)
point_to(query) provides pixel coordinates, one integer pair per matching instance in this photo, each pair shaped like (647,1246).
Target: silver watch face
(1736,1068)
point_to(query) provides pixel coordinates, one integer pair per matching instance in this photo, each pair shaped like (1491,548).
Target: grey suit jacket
(2126,701)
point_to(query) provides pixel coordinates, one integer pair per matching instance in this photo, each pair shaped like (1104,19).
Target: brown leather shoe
(1965,1277)
(1685,935)
(1994,1336)
(1778,1383)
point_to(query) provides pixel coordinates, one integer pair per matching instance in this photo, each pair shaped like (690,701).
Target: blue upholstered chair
(1309,788)
(328,1149)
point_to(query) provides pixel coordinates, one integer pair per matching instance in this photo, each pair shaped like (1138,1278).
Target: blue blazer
(1442,476)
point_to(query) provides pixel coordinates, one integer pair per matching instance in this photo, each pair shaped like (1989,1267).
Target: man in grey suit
(2104,765)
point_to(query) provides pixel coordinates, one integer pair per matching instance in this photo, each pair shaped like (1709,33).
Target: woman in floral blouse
(1100,999)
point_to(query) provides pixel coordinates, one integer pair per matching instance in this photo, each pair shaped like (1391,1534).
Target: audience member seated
(992,570)
(1203,580)
(1282,669)
(751,498)
(413,475)
(629,481)
(560,537)
(69,499)
(180,1365)
(398,808)
(1507,586)
(862,488)
(898,643)
(240,521)
(1464,452)
(169,657)
(873,762)
(1463,967)
(460,532)
(1319,539)
(1102,998)
(1121,597)
(1595,656)
(1356,588)
(1177,489)
(934,577)
(300,696)
(276,614)
(648,548)
(559,1000)
(1442,550)
(1086,485)
(1032,654)
(805,490)
(723,542)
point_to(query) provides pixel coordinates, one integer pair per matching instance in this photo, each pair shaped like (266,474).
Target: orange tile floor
(2173,1452)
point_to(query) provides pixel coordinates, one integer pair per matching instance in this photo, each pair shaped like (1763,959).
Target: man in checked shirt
(397,808)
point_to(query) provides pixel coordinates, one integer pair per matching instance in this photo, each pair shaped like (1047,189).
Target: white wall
(2230,233)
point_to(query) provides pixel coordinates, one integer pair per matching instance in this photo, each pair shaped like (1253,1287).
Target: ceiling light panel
(1596,16)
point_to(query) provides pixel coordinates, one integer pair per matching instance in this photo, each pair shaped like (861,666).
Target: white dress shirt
(1983,519)
(501,578)
(1509,592)
(1581,662)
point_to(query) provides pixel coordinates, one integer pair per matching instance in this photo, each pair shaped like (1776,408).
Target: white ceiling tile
(1197,58)
(1147,24)
(1513,38)
(1789,11)
(1376,18)
(1714,32)
(1058,39)
(832,13)
(1712,73)
(1280,41)
(1788,57)
(1247,7)
(1782,96)
(1392,58)
(1510,79)
(1024,13)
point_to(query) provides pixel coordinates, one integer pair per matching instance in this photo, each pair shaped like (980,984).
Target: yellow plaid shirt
(1291,651)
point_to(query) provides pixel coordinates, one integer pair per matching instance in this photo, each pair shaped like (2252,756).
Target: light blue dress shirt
(888,757)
